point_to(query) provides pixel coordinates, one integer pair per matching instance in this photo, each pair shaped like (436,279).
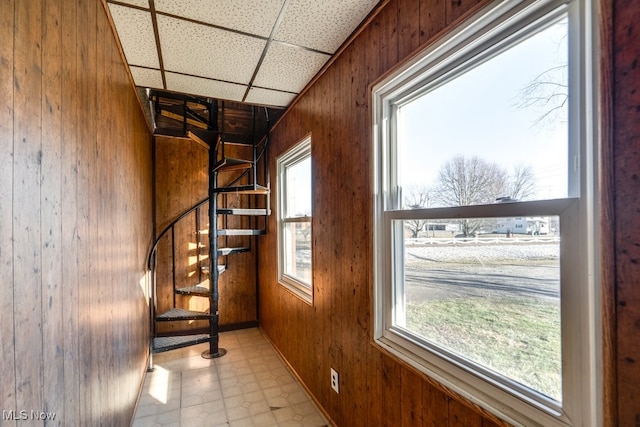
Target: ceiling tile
(249,16)
(275,98)
(146,77)
(200,50)
(322,25)
(204,87)
(140,3)
(288,68)
(135,31)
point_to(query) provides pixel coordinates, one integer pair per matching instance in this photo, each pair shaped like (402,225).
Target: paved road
(429,274)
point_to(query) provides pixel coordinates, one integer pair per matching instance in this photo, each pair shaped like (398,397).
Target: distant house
(437,226)
(521,225)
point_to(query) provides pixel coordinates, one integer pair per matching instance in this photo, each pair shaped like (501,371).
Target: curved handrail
(169,227)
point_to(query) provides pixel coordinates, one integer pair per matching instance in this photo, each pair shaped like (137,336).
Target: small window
(489,134)
(294,220)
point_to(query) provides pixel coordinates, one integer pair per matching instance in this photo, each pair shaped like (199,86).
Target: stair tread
(240,232)
(232,164)
(229,251)
(235,211)
(161,344)
(197,289)
(181,313)
(245,189)
(221,268)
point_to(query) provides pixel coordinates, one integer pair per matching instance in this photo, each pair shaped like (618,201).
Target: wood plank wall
(181,182)
(75,216)
(376,389)
(625,134)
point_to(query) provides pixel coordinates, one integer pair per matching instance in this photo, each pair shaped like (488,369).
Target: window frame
(293,156)
(501,24)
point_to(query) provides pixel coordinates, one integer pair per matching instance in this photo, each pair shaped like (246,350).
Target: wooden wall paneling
(321,107)
(356,253)
(164,276)
(332,197)
(167,165)
(390,374)
(626,134)
(360,193)
(344,293)
(458,8)
(432,19)
(122,274)
(69,212)
(317,331)
(410,398)
(51,215)
(60,196)
(375,387)
(435,406)
(373,38)
(336,112)
(181,182)
(488,423)
(607,221)
(388,36)
(7,361)
(100,226)
(115,204)
(375,384)
(27,255)
(85,58)
(460,415)
(408,26)
(322,303)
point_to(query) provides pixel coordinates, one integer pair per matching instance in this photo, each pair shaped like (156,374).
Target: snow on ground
(484,252)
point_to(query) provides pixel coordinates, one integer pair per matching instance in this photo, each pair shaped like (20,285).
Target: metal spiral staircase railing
(240,178)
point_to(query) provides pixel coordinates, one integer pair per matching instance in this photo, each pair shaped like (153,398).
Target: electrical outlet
(335,381)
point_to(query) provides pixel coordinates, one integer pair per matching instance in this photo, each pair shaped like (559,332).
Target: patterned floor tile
(249,386)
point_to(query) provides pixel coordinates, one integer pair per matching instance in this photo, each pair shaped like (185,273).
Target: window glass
(492,298)
(297,243)
(496,132)
(294,220)
(484,274)
(298,188)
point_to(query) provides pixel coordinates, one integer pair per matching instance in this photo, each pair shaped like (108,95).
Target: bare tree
(465,181)
(548,92)
(417,197)
(522,183)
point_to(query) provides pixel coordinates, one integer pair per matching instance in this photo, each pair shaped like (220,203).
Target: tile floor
(249,386)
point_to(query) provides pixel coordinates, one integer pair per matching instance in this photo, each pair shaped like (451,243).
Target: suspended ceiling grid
(254,51)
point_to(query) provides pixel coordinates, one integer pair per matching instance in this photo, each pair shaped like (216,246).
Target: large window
(294,219)
(484,213)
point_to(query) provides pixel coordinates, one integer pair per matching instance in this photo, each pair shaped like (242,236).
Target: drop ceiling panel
(248,16)
(322,25)
(274,98)
(204,87)
(146,77)
(288,68)
(135,30)
(267,50)
(205,51)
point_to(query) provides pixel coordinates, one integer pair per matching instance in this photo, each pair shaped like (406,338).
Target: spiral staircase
(239,187)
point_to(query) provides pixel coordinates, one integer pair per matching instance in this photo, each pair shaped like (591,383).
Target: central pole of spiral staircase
(215,350)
